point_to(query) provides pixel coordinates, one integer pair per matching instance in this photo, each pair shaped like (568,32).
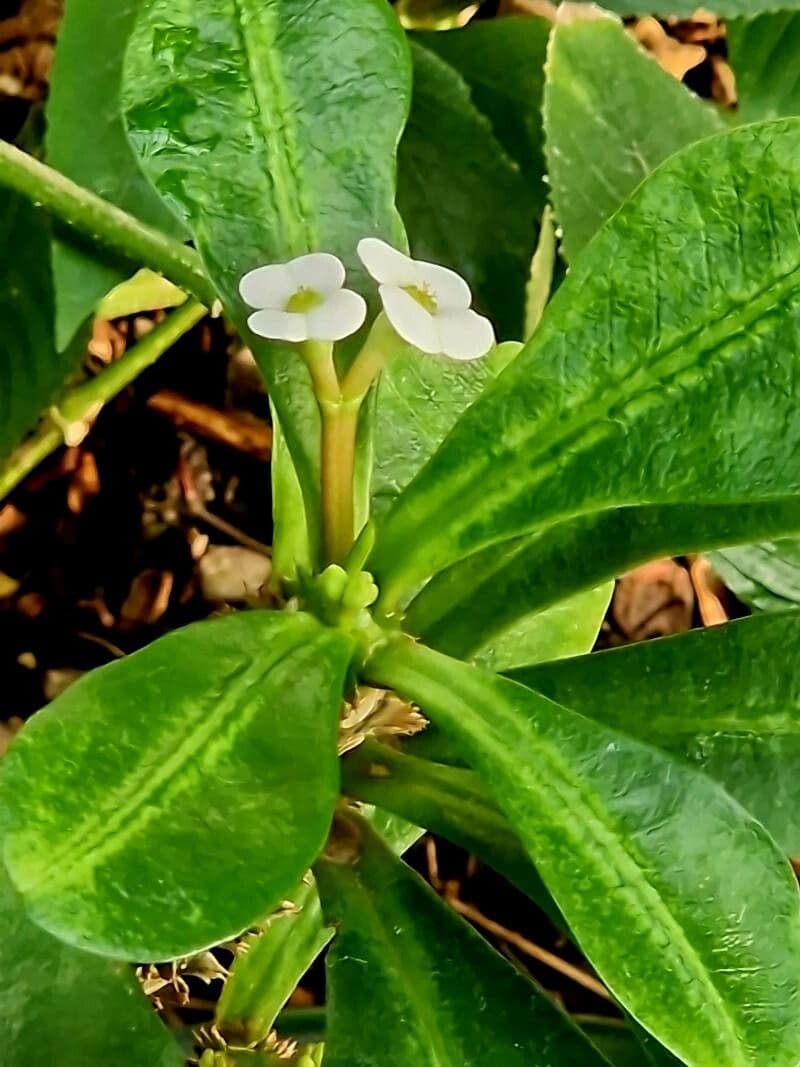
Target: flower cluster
(428,306)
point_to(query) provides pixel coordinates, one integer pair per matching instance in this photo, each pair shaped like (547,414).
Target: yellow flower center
(304,300)
(424,297)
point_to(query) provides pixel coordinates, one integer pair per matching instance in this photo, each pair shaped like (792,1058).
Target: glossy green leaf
(62,1006)
(502,62)
(765,576)
(704,908)
(763,52)
(726,698)
(272,129)
(662,372)
(464,201)
(86,141)
(172,799)
(450,801)
(410,983)
(32,372)
(470,603)
(611,115)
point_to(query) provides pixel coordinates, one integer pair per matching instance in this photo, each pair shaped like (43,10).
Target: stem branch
(82,402)
(339,431)
(100,221)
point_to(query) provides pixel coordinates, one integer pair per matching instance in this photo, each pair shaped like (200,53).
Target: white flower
(302,300)
(428,305)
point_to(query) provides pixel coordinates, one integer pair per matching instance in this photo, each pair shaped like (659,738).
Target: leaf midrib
(284,167)
(602,834)
(192,733)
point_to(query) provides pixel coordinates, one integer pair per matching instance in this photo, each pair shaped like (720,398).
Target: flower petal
(319,271)
(279,325)
(341,314)
(465,334)
(450,290)
(386,264)
(267,287)
(410,319)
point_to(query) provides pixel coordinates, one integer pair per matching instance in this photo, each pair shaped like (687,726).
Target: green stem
(81,403)
(100,221)
(339,433)
(379,347)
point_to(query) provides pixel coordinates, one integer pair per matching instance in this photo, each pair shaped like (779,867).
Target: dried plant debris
(27,42)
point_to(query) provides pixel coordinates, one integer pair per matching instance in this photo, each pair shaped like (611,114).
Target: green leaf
(765,576)
(722,8)
(59,1005)
(86,140)
(31,370)
(682,299)
(173,798)
(419,400)
(473,602)
(450,801)
(272,129)
(502,62)
(726,698)
(763,53)
(705,909)
(410,983)
(611,115)
(464,201)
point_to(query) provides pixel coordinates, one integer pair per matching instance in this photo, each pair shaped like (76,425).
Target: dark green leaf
(31,370)
(765,576)
(704,909)
(469,604)
(502,62)
(410,983)
(272,128)
(171,799)
(464,201)
(611,115)
(86,141)
(662,372)
(726,698)
(62,1006)
(763,52)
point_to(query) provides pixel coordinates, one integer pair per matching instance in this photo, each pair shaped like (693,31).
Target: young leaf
(477,600)
(171,799)
(95,153)
(684,298)
(31,370)
(705,908)
(765,576)
(272,129)
(763,53)
(611,115)
(464,201)
(726,698)
(502,62)
(410,983)
(59,1005)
